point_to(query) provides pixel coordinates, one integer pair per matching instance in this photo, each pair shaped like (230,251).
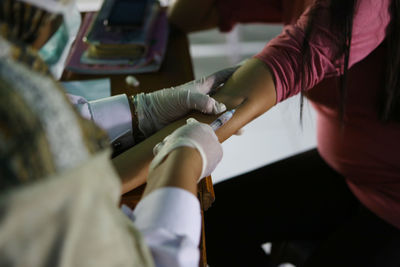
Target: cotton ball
(132,81)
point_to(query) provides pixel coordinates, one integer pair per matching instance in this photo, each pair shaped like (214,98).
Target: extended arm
(168,215)
(150,113)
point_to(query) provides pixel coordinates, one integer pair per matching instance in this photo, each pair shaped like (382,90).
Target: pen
(226,116)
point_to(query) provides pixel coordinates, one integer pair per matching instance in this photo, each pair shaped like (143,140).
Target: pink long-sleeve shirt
(364,150)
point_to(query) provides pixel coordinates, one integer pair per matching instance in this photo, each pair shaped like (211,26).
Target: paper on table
(89,5)
(89,89)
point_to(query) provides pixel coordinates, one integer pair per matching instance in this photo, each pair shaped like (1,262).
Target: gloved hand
(157,109)
(217,79)
(196,135)
(210,84)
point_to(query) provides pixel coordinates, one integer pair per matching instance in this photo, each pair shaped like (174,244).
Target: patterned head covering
(22,21)
(40,131)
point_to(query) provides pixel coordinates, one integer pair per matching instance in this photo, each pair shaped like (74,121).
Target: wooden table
(176,69)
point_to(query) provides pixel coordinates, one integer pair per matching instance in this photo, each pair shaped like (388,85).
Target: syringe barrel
(221,120)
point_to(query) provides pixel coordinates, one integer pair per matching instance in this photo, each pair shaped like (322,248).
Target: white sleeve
(170,221)
(112,114)
(81,104)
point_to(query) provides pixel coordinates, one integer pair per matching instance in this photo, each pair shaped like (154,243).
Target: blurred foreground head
(32,22)
(40,132)
(47,26)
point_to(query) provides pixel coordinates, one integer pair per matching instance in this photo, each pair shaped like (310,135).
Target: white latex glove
(196,135)
(156,110)
(210,84)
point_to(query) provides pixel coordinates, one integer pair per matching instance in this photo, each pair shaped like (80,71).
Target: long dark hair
(391,105)
(342,13)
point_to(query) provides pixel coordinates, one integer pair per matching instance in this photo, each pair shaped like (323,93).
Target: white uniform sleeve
(81,104)
(112,114)
(170,222)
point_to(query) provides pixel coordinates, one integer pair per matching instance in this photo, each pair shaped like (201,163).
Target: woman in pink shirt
(346,193)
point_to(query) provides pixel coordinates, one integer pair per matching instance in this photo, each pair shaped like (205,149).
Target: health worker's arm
(169,216)
(129,120)
(112,114)
(123,119)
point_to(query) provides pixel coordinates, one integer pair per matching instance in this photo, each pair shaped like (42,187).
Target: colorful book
(102,35)
(108,42)
(80,62)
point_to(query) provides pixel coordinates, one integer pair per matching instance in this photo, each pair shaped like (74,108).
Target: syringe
(221,120)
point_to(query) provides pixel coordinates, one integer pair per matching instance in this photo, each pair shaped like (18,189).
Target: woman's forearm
(253,82)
